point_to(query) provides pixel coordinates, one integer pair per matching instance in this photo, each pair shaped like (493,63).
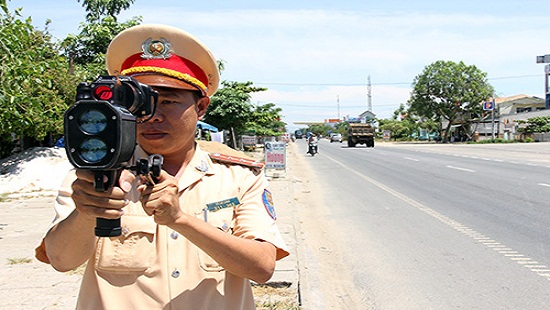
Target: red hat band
(163,56)
(173,66)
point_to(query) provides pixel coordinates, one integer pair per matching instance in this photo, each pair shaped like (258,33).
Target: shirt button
(175,274)
(174,235)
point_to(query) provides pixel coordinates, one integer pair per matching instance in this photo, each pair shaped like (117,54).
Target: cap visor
(160,80)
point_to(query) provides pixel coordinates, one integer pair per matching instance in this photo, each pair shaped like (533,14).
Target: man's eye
(169,102)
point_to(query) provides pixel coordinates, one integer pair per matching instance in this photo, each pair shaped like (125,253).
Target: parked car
(336,137)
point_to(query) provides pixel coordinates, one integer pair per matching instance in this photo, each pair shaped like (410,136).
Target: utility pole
(338,103)
(369,95)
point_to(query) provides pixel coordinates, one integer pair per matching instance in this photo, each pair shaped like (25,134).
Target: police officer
(195,238)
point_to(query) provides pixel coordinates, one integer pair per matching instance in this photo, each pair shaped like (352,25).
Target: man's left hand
(161,200)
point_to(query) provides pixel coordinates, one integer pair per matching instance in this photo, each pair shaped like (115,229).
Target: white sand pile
(33,172)
(39,171)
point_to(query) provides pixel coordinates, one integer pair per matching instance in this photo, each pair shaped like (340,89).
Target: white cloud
(338,48)
(319,103)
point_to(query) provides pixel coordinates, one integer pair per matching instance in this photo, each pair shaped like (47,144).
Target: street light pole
(542,60)
(493,121)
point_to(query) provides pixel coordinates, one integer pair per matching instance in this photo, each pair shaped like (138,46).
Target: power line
(327,84)
(362,84)
(515,77)
(383,83)
(316,106)
(329,107)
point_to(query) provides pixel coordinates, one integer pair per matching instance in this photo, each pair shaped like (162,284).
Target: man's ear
(202,105)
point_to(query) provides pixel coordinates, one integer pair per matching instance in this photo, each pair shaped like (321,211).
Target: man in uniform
(194,238)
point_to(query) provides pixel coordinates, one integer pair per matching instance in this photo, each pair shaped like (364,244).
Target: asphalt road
(424,226)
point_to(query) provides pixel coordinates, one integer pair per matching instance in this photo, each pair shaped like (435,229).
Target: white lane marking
(505,251)
(543,184)
(409,158)
(483,158)
(461,169)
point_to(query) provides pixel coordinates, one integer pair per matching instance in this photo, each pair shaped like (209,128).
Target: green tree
(401,112)
(97,9)
(35,85)
(266,121)
(414,123)
(430,126)
(535,124)
(450,91)
(399,129)
(87,49)
(320,129)
(230,106)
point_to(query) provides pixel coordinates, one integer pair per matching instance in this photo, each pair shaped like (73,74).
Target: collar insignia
(203,167)
(156,49)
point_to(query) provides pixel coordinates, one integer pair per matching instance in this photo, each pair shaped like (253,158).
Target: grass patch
(19,261)
(275,296)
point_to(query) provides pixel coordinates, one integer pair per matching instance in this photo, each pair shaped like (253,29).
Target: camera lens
(93,150)
(92,121)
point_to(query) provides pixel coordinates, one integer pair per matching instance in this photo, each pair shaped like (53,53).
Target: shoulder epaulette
(235,160)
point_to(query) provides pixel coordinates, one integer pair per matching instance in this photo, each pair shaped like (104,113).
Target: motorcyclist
(312,144)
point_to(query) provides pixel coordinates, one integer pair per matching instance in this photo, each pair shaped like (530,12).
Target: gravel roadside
(29,284)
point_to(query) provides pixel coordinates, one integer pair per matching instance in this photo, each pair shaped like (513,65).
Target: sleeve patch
(268,203)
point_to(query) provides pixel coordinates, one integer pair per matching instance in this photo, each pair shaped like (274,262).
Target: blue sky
(315,56)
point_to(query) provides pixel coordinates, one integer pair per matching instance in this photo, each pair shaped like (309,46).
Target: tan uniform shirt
(153,267)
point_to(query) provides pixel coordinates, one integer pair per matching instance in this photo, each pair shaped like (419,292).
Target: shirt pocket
(133,251)
(223,220)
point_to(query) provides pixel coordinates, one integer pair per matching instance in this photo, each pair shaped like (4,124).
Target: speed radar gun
(100,134)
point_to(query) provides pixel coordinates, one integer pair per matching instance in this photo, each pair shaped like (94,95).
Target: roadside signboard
(275,156)
(249,142)
(387,135)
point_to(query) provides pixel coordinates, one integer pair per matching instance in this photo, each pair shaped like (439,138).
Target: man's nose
(158,116)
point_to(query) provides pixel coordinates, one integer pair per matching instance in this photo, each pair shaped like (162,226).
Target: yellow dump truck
(360,133)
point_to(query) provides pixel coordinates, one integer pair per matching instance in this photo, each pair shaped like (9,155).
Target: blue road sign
(488,105)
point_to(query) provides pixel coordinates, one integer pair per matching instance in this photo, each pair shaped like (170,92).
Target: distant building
(365,117)
(508,110)
(519,104)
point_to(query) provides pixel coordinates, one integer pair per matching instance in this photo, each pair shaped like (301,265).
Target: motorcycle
(312,148)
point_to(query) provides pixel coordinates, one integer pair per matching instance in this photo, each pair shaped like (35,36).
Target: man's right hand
(107,204)
(71,242)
